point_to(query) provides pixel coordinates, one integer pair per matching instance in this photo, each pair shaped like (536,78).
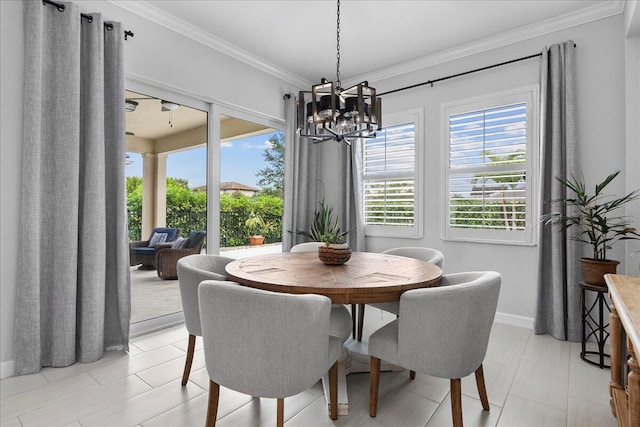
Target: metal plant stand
(593,324)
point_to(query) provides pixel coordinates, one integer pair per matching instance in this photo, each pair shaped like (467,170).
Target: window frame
(531,96)
(415,116)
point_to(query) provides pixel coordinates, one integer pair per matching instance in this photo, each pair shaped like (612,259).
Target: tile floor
(531,380)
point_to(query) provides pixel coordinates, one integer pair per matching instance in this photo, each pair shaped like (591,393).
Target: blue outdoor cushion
(157,238)
(180,243)
(143,250)
(172,233)
(195,238)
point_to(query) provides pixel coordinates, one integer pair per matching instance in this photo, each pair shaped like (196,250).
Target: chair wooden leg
(360,320)
(189,361)
(333,391)
(374,384)
(412,375)
(354,318)
(456,402)
(280,419)
(482,390)
(212,410)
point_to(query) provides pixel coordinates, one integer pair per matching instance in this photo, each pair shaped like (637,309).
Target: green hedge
(187,211)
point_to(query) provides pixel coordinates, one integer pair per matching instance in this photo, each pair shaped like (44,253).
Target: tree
(134,207)
(499,192)
(178,182)
(272,177)
(133,183)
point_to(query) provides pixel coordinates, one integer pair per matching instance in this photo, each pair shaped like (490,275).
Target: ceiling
(299,37)
(149,122)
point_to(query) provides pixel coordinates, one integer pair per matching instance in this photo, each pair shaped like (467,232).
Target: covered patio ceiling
(164,132)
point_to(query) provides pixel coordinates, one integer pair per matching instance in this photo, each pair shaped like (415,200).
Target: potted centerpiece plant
(326,228)
(257,228)
(595,222)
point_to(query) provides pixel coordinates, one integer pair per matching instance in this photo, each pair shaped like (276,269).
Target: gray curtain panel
(73,291)
(351,209)
(301,158)
(558,306)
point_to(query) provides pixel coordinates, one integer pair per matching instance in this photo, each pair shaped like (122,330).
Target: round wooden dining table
(367,277)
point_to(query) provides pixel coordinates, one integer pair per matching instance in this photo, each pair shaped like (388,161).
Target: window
(490,179)
(390,175)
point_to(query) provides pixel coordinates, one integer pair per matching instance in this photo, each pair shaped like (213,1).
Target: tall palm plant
(594,220)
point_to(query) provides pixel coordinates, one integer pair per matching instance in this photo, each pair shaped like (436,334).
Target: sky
(239,162)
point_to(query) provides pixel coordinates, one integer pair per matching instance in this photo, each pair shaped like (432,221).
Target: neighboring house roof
(236,186)
(230,186)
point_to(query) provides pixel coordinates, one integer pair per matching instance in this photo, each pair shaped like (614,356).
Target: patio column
(149,167)
(154,192)
(161,190)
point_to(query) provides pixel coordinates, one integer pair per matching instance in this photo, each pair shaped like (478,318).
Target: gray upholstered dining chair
(432,256)
(342,323)
(442,332)
(266,344)
(192,270)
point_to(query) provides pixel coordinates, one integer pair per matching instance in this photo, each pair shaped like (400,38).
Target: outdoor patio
(153,297)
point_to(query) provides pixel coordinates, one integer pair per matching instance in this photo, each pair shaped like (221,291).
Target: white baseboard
(7,369)
(514,320)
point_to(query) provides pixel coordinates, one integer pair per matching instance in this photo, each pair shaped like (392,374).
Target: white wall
(11,91)
(632,105)
(155,54)
(601,105)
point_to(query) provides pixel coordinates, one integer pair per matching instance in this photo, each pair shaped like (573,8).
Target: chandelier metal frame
(334,113)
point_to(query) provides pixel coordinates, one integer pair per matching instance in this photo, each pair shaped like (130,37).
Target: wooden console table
(625,320)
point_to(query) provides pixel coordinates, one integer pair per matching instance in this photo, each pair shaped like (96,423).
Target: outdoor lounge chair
(144,251)
(167,256)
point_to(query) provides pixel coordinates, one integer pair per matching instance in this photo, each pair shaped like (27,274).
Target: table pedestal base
(354,359)
(360,359)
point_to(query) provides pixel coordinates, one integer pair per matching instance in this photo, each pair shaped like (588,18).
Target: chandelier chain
(334,113)
(338,83)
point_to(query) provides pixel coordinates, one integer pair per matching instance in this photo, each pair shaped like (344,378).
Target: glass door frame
(215,109)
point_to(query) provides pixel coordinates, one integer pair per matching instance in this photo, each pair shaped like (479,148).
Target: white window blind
(389,176)
(489,166)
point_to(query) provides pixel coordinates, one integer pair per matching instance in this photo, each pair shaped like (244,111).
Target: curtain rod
(108,25)
(431,82)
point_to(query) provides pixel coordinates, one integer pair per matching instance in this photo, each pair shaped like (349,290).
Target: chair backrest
(195,239)
(192,270)
(429,255)
(172,233)
(263,343)
(444,331)
(307,247)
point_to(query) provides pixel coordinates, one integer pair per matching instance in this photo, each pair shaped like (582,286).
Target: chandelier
(329,112)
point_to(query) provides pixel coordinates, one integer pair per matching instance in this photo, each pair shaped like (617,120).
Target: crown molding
(153,14)
(583,16)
